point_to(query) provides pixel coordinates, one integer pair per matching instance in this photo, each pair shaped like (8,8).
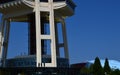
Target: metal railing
(69,2)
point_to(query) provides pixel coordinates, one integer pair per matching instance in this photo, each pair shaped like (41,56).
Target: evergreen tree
(84,70)
(97,68)
(91,69)
(107,68)
(115,72)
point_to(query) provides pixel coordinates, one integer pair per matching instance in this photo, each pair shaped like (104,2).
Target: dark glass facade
(30,61)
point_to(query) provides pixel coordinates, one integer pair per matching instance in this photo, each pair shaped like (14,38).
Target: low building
(30,61)
(81,65)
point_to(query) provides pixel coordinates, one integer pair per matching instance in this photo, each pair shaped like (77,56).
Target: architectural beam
(6,40)
(65,39)
(38,35)
(57,41)
(52,33)
(1,37)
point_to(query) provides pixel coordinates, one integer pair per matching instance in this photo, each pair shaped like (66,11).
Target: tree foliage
(97,68)
(115,72)
(107,68)
(85,70)
(91,68)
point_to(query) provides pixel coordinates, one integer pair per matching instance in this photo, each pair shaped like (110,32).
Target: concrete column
(57,40)
(1,37)
(65,39)
(6,40)
(32,35)
(0,44)
(1,40)
(52,33)
(38,34)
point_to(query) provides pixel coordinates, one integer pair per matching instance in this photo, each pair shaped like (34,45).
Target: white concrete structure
(54,10)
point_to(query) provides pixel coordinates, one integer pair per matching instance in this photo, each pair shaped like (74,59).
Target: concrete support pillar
(57,41)
(31,35)
(40,37)
(52,33)
(2,40)
(65,39)
(6,40)
(38,34)
(1,37)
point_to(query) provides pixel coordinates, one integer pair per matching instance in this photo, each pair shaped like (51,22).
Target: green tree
(91,68)
(97,68)
(84,70)
(115,72)
(107,68)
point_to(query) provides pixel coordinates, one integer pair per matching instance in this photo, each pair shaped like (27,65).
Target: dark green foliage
(85,70)
(97,68)
(107,68)
(115,72)
(91,68)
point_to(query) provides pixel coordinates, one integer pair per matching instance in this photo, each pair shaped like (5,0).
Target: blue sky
(93,31)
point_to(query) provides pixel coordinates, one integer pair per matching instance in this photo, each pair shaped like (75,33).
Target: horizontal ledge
(45,36)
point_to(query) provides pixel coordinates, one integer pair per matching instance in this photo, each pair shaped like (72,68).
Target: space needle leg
(38,34)
(57,40)
(65,39)
(1,40)
(52,33)
(6,40)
